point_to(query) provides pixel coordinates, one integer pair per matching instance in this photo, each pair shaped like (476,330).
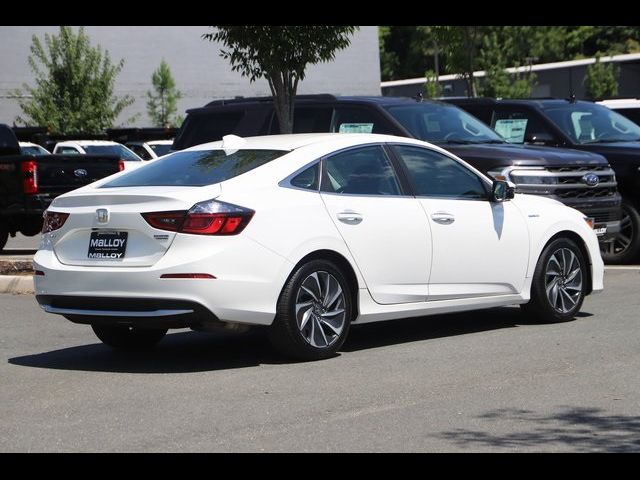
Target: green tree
(498,82)
(601,80)
(162,103)
(461,44)
(280,54)
(432,88)
(74,85)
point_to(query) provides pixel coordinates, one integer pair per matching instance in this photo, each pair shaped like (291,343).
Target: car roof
(297,140)
(304,99)
(82,143)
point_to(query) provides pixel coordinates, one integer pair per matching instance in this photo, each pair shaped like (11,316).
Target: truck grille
(565,182)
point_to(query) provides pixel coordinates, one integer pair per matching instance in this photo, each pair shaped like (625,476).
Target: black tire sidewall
(285,334)
(634,249)
(123,338)
(539,307)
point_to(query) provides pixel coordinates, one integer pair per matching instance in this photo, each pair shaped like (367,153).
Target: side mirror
(501,191)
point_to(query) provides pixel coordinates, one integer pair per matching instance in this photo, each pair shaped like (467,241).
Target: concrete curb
(16,284)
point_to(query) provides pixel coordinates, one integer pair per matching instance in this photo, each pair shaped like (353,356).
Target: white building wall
(200,73)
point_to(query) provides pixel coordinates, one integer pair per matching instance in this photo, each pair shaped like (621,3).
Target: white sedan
(306,234)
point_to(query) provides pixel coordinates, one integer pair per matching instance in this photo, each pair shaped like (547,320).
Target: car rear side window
(307,179)
(195,168)
(360,171)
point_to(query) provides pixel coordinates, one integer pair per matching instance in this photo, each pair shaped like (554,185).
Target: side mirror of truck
(501,191)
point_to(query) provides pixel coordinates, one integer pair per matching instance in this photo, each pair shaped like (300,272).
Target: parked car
(553,173)
(306,234)
(627,107)
(151,149)
(29,182)
(28,148)
(99,147)
(584,126)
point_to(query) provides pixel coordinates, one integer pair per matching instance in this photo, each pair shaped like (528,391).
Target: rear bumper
(141,312)
(247,284)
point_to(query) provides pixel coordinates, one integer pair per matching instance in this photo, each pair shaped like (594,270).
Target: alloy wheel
(623,239)
(563,280)
(320,309)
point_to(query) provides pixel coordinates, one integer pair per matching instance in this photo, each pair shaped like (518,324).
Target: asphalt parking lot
(482,381)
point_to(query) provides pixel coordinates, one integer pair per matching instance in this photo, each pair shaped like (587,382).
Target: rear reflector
(201,276)
(29,177)
(53,221)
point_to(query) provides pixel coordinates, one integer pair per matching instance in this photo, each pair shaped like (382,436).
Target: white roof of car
(28,144)
(159,142)
(83,143)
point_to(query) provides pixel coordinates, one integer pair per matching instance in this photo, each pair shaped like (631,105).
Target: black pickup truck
(29,183)
(578,125)
(550,172)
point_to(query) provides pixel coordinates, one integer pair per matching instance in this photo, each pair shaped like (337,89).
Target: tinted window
(68,151)
(307,120)
(359,120)
(436,175)
(33,151)
(522,126)
(362,171)
(441,123)
(591,123)
(195,168)
(140,151)
(119,150)
(308,179)
(210,127)
(160,149)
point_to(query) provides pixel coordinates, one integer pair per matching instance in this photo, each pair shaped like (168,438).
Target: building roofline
(627,57)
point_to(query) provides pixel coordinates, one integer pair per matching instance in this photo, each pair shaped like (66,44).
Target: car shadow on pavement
(447,325)
(187,351)
(575,429)
(179,352)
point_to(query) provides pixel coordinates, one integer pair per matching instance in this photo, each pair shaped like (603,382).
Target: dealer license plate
(108,245)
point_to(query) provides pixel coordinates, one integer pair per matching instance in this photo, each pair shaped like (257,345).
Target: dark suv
(578,125)
(559,174)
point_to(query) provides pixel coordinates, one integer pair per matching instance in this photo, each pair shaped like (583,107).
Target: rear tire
(559,283)
(625,248)
(314,312)
(128,338)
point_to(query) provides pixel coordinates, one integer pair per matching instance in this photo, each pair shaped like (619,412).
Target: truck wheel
(314,312)
(128,338)
(626,246)
(4,236)
(559,283)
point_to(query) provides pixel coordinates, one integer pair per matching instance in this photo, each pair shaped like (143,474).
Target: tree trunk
(283,87)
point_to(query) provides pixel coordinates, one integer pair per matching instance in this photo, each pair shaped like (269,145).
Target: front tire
(314,312)
(559,283)
(128,338)
(625,247)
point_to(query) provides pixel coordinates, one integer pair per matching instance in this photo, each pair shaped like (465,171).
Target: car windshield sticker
(356,128)
(512,129)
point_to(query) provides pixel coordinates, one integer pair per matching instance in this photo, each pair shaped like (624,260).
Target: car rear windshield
(195,168)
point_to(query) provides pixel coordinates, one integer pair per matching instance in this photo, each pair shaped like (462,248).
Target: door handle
(443,218)
(349,217)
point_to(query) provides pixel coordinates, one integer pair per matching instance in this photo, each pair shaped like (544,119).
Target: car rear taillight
(206,218)
(120,165)
(29,177)
(53,221)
